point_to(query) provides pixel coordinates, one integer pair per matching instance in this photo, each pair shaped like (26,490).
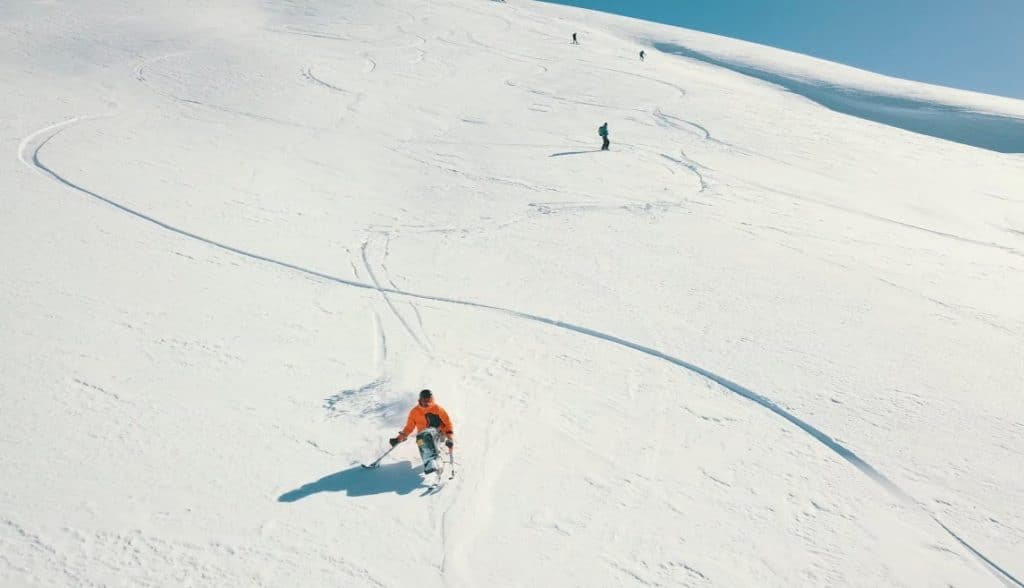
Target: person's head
(426,397)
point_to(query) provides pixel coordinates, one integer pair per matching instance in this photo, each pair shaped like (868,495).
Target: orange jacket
(431,415)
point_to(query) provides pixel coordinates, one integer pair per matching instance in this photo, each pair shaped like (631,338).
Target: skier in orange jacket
(426,414)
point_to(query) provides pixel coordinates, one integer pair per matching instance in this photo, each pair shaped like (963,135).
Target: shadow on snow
(573,153)
(400,478)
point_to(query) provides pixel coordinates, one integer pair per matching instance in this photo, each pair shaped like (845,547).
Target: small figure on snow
(642,55)
(433,427)
(603,132)
(574,41)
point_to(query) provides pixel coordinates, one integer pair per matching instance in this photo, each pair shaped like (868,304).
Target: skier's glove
(394,441)
(449,443)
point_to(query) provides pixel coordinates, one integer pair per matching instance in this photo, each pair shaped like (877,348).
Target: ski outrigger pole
(376,464)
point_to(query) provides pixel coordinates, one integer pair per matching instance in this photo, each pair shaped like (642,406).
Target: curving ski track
(309,75)
(52,131)
(691,166)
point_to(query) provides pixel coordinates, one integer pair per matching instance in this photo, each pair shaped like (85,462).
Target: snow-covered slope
(759,343)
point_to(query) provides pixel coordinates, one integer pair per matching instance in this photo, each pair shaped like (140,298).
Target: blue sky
(972,44)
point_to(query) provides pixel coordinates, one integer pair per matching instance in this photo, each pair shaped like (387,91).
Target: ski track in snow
(307,73)
(53,130)
(412,305)
(356,97)
(557,98)
(387,299)
(676,87)
(352,264)
(961,311)
(37,141)
(690,165)
(244,113)
(674,122)
(510,55)
(140,69)
(371,65)
(287,30)
(899,223)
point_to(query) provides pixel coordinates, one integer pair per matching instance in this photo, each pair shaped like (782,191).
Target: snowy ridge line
(819,435)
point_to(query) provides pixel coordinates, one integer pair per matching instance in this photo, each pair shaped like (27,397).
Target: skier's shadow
(400,478)
(564,153)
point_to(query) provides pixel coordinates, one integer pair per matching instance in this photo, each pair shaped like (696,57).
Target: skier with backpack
(603,132)
(433,427)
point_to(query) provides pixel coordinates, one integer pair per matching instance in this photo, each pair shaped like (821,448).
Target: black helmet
(426,394)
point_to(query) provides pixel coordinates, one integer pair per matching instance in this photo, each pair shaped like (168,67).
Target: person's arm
(410,424)
(446,424)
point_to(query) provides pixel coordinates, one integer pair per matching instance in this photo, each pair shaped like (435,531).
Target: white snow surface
(759,343)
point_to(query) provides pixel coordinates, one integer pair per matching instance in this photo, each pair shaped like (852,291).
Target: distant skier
(603,132)
(433,426)
(641,55)
(574,41)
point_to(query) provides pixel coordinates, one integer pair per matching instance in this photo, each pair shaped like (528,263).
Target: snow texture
(774,337)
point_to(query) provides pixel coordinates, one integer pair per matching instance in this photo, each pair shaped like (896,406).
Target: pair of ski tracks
(29,153)
(421,341)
